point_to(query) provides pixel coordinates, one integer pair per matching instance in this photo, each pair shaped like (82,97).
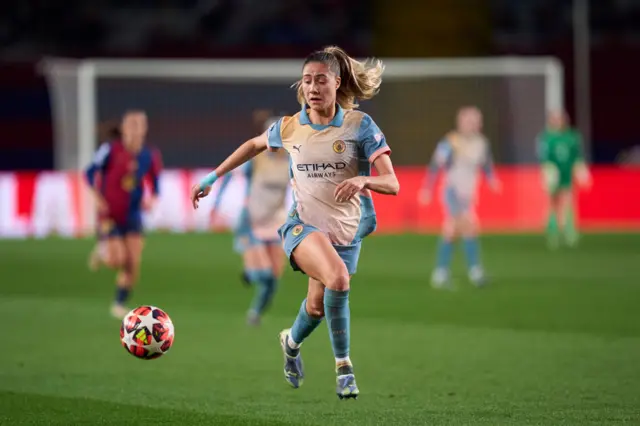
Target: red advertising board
(38,204)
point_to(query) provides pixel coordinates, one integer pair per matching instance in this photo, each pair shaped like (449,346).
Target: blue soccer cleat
(346,386)
(293,368)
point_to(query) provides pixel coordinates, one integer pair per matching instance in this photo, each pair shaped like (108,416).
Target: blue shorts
(294,231)
(455,204)
(108,228)
(244,237)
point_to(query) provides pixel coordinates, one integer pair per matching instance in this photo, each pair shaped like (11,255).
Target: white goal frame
(86,72)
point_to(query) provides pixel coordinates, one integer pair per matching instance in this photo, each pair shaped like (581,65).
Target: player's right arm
(580,169)
(98,166)
(271,139)
(550,173)
(441,157)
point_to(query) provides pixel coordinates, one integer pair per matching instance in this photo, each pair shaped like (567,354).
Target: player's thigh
(116,250)
(565,198)
(276,258)
(456,210)
(468,222)
(255,256)
(315,298)
(134,243)
(317,258)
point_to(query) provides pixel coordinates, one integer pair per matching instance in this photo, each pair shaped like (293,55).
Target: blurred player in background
(331,146)
(121,166)
(561,156)
(107,131)
(256,233)
(461,154)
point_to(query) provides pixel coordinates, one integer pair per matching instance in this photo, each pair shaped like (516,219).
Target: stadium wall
(39,204)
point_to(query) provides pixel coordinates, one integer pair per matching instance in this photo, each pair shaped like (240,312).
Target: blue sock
(122,294)
(336,309)
(445,250)
(302,327)
(265,283)
(472,251)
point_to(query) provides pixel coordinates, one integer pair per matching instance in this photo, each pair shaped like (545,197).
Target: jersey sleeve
(442,156)
(98,163)
(371,139)
(274,135)
(487,165)
(156,169)
(542,149)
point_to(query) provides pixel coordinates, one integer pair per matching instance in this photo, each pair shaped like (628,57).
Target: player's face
(557,120)
(134,129)
(470,121)
(319,85)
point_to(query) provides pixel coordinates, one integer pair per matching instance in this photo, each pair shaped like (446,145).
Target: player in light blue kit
(461,154)
(332,147)
(256,233)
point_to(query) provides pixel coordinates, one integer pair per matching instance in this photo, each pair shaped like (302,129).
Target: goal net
(201,110)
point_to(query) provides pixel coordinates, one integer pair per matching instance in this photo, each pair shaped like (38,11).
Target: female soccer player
(461,153)
(560,153)
(329,143)
(123,165)
(256,234)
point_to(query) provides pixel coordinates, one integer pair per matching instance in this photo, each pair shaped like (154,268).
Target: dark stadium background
(76,29)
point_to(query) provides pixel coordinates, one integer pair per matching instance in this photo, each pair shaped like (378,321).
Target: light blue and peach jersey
(264,209)
(461,157)
(321,157)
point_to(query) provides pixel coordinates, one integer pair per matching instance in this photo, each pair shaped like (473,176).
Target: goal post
(77,94)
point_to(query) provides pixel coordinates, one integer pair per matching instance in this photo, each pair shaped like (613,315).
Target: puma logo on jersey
(297,147)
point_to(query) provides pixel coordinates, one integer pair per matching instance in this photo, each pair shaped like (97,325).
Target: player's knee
(114,259)
(338,281)
(469,228)
(449,230)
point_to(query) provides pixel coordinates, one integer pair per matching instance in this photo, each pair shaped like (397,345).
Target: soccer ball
(147,332)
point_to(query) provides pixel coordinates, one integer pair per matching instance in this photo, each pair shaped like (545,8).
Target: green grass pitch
(555,340)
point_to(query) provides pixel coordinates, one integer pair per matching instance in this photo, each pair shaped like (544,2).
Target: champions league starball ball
(147,332)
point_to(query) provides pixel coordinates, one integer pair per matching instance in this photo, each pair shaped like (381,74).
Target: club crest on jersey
(128,183)
(106,226)
(339,147)
(297,230)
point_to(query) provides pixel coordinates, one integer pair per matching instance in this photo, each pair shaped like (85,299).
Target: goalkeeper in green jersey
(561,157)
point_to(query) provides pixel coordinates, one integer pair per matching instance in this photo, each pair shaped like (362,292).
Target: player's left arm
(154,175)
(374,147)
(489,170)
(386,182)
(580,169)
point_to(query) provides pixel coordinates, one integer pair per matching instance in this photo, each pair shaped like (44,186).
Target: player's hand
(583,177)
(101,205)
(424,197)
(197,193)
(349,188)
(149,203)
(495,185)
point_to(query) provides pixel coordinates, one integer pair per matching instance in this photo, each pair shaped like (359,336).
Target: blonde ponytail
(359,80)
